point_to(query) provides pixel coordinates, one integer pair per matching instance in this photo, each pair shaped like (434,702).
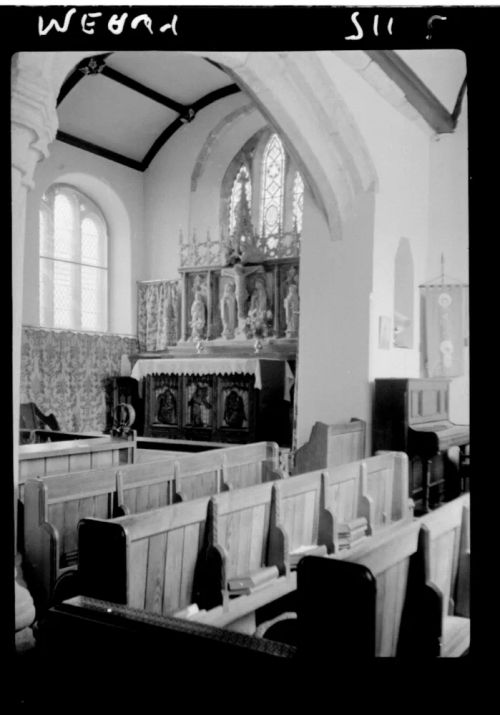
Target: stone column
(33,127)
(35,81)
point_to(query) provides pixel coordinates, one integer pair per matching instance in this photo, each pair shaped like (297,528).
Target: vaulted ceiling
(126,105)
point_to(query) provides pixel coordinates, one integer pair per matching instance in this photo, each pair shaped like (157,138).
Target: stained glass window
(73,261)
(274,220)
(272,190)
(242,181)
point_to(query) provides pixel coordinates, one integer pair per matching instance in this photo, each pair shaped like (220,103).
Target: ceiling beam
(415,91)
(142,89)
(89,65)
(99,150)
(180,121)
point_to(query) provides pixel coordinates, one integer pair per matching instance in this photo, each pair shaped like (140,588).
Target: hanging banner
(443,334)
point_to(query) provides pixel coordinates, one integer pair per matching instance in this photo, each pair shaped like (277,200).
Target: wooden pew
(39,460)
(209,473)
(146,560)
(355,599)
(244,533)
(53,508)
(316,503)
(167,559)
(192,657)
(331,445)
(398,603)
(53,511)
(446,553)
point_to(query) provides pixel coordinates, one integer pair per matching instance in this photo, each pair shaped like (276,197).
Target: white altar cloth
(198,366)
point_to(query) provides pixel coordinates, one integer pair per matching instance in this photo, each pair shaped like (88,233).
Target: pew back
(446,548)
(146,560)
(145,486)
(387,555)
(300,506)
(250,464)
(204,474)
(39,460)
(331,445)
(241,527)
(53,508)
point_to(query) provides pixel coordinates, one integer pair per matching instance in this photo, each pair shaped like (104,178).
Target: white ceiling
(115,117)
(180,76)
(443,71)
(110,115)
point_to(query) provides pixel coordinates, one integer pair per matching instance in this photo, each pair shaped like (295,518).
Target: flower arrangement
(259,324)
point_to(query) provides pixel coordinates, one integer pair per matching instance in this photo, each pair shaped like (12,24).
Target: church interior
(240,346)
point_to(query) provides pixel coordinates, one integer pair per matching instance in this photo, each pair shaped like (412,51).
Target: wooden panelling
(331,445)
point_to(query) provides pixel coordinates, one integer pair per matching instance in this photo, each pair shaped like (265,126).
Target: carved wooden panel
(199,406)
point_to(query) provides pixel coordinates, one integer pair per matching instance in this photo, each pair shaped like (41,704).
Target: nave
(255,347)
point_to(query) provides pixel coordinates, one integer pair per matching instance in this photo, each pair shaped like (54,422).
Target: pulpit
(221,399)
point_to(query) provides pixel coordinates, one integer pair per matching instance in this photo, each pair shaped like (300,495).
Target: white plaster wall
(335,286)
(422,196)
(400,151)
(168,198)
(118,191)
(448,232)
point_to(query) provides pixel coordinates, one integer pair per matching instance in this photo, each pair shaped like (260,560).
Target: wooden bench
(39,460)
(167,559)
(204,474)
(191,656)
(331,445)
(52,509)
(398,603)
(246,530)
(446,552)
(54,506)
(315,504)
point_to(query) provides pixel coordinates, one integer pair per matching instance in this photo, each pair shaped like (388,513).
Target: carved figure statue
(291,304)
(197,401)
(234,410)
(241,289)
(197,317)
(167,407)
(228,310)
(258,300)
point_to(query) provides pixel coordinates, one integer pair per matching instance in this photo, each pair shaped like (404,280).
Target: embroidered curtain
(444,329)
(158,315)
(64,372)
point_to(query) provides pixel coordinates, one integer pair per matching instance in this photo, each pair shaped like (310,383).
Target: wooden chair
(32,418)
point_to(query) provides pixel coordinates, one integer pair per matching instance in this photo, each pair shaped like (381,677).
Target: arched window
(73,261)
(241,200)
(264,197)
(273,183)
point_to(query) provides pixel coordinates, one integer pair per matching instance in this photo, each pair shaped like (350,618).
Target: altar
(222,399)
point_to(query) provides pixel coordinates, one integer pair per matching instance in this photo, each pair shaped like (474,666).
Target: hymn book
(246,583)
(351,532)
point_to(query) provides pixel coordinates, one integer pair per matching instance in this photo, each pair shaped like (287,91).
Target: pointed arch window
(73,261)
(241,198)
(263,198)
(273,180)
